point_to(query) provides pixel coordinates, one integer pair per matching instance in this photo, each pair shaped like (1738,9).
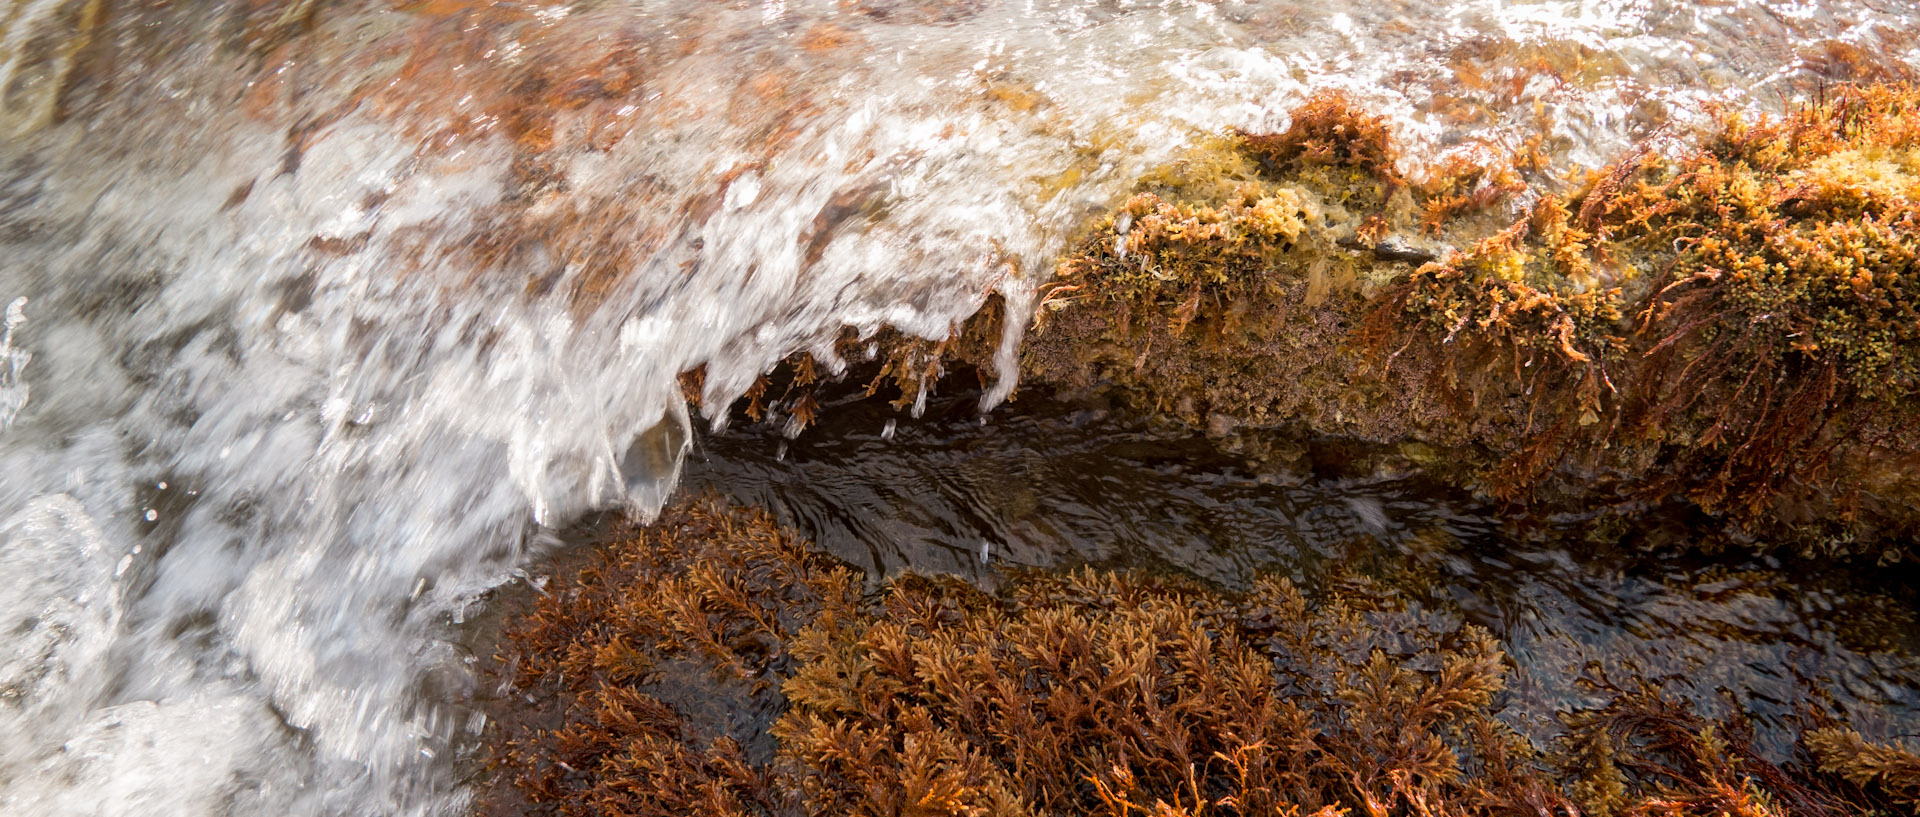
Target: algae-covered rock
(1232,283)
(1727,323)
(1734,325)
(715,664)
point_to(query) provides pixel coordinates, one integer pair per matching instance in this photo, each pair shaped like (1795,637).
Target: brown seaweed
(714,664)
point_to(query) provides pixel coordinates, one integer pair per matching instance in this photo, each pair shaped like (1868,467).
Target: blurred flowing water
(320,314)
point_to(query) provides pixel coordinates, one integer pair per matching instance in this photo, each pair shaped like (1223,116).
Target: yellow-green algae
(715,664)
(1728,321)
(1737,324)
(1734,325)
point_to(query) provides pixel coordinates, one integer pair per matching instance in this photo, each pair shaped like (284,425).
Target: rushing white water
(268,420)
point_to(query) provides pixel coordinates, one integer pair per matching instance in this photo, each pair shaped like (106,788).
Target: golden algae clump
(1181,248)
(1241,209)
(1644,754)
(663,662)
(1733,324)
(1335,146)
(714,664)
(651,674)
(1115,694)
(1893,770)
(1223,288)
(1727,323)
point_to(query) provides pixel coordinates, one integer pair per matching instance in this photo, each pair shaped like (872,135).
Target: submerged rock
(716,664)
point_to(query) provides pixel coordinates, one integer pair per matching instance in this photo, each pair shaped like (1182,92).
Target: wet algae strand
(715,664)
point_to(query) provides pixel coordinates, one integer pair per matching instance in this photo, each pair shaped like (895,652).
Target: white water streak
(13,362)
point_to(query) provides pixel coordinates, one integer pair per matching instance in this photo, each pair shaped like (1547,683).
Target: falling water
(321,313)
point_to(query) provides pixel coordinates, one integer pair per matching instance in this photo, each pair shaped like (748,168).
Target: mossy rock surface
(1727,322)
(1733,325)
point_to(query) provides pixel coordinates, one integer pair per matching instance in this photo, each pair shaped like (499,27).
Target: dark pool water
(1579,603)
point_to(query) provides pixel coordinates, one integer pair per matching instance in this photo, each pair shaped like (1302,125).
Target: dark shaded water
(1575,602)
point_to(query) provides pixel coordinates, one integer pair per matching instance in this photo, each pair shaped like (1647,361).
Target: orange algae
(1843,752)
(714,664)
(646,668)
(1111,694)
